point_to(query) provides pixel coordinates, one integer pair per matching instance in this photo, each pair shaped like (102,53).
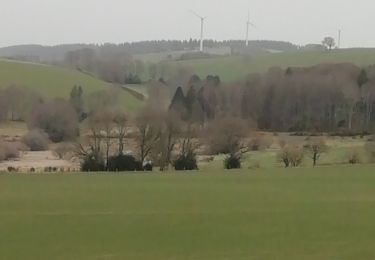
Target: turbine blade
(197,15)
(253,25)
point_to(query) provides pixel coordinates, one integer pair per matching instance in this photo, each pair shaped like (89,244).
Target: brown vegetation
(36,140)
(57,118)
(291,155)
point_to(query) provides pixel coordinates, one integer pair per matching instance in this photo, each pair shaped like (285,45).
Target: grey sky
(97,21)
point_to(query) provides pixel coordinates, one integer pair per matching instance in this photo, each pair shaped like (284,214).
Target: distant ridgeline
(49,54)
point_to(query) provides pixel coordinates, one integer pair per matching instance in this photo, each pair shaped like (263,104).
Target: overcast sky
(52,22)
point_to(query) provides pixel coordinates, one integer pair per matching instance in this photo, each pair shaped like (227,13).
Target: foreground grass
(237,67)
(322,213)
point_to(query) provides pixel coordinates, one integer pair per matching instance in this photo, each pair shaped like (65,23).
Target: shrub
(57,118)
(148,167)
(50,169)
(259,143)
(123,163)
(186,162)
(291,156)
(11,151)
(93,163)
(226,135)
(232,162)
(370,149)
(36,140)
(133,79)
(12,169)
(8,150)
(62,150)
(354,157)
(2,154)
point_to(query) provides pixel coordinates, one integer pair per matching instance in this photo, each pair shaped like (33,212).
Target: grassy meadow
(321,213)
(53,81)
(237,67)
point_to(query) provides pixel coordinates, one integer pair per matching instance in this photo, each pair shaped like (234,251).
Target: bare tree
(106,120)
(316,146)
(329,42)
(148,132)
(169,136)
(17,102)
(188,145)
(91,142)
(120,121)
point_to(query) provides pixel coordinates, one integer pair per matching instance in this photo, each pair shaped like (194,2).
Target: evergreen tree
(76,101)
(178,104)
(190,99)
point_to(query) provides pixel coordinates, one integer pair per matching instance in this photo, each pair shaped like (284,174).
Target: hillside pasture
(238,67)
(51,81)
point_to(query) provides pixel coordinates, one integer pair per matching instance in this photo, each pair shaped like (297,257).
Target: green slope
(237,67)
(53,81)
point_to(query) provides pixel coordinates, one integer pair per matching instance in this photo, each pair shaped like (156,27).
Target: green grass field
(322,213)
(237,67)
(53,81)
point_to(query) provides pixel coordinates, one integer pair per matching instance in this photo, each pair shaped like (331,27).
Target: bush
(12,169)
(36,140)
(354,157)
(370,149)
(62,150)
(133,79)
(93,163)
(225,135)
(11,151)
(122,163)
(2,154)
(291,155)
(8,150)
(186,162)
(260,143)
(57,118)
(232,162)
(148,167)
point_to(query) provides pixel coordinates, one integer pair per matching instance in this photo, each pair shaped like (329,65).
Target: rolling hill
(237,67)
(53,81)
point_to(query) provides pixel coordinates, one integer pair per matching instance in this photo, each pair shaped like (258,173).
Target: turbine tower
(339,40)
(248,24)
(202,28)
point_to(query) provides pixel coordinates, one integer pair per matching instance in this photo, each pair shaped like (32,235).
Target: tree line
(56,54)
(333,98)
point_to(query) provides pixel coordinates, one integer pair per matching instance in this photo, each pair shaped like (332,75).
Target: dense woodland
(335,98)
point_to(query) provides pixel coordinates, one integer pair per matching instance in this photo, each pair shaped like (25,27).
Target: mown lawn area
(321,213)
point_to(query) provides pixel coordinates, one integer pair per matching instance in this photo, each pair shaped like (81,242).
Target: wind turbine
(202,27)
(248,24)
(339,40)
